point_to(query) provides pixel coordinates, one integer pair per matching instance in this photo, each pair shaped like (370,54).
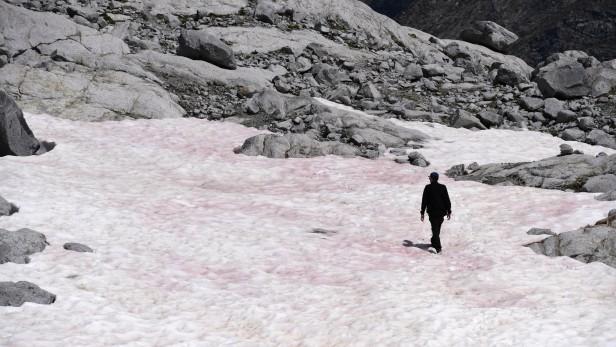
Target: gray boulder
(413,72)
(328,75)
(565,149)
(566,116)
(490,118)
(456,170)
(77,247)
(573,134)
(265,11)
(199,45)
(417,159)
(600,184)
(508,76)
(552,106)
(489,34)
(463,119)
(16,246)
(601,138)
(531,103)
(7,208)
(587,123)
(16,138)
(563,79)
(269,102)
(369,90)
(18,293)
(609,196)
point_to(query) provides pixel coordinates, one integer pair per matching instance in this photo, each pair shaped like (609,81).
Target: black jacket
(436,199)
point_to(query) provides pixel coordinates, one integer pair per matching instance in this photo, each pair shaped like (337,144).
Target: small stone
(565,149)
(539,231)
(77,247)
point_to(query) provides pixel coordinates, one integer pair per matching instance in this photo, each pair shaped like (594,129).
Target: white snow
(197,246)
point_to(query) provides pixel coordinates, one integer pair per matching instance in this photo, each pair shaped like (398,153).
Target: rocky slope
(544,27)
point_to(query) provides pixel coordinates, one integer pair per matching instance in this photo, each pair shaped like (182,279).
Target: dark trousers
(436,222)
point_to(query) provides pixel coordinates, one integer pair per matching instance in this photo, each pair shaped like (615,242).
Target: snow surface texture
(197,246)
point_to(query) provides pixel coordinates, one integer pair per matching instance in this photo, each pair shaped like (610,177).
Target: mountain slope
(544,27)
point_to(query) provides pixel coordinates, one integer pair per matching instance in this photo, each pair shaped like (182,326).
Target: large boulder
(489,34)
(463,119)
(16,246)
(18,293)
(574,74)
(200,45)
(16,138)
(600,184)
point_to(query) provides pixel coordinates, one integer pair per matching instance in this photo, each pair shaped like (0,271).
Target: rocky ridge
(108,60)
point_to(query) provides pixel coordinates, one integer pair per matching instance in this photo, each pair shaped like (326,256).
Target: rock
(77,247)
(609,196)
(566,116)
(417,159)
(327,74)
(265,11)
(269,102)
(565,149)
(18,293)
(16,246)
(413,72)
(531,103)
(570,172)
(600,184)
(431,70)
(199,45)
(552,106)
(586,123)
(16,138)
(456,170)
(538,231)
(508,76)
(589,244)
(303,64)
(463,119)
(369,90)
(293,146)
(473,166)
(7,208)
(489,34)
(490,118)
(573,134)
(601,138)
(564,79)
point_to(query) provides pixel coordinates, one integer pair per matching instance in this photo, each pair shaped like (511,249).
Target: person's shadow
(422,246)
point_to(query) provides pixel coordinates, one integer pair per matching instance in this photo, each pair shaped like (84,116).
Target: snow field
(197,246)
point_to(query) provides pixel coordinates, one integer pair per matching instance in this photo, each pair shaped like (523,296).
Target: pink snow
(197,246)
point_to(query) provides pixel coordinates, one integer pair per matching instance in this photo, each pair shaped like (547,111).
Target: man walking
(436,200)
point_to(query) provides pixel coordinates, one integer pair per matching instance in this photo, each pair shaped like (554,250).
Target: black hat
(434,175)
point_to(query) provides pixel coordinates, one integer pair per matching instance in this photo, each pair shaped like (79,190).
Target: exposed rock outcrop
(576,172)
(587,244)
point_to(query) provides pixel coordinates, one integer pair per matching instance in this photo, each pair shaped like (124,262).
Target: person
(436,200)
